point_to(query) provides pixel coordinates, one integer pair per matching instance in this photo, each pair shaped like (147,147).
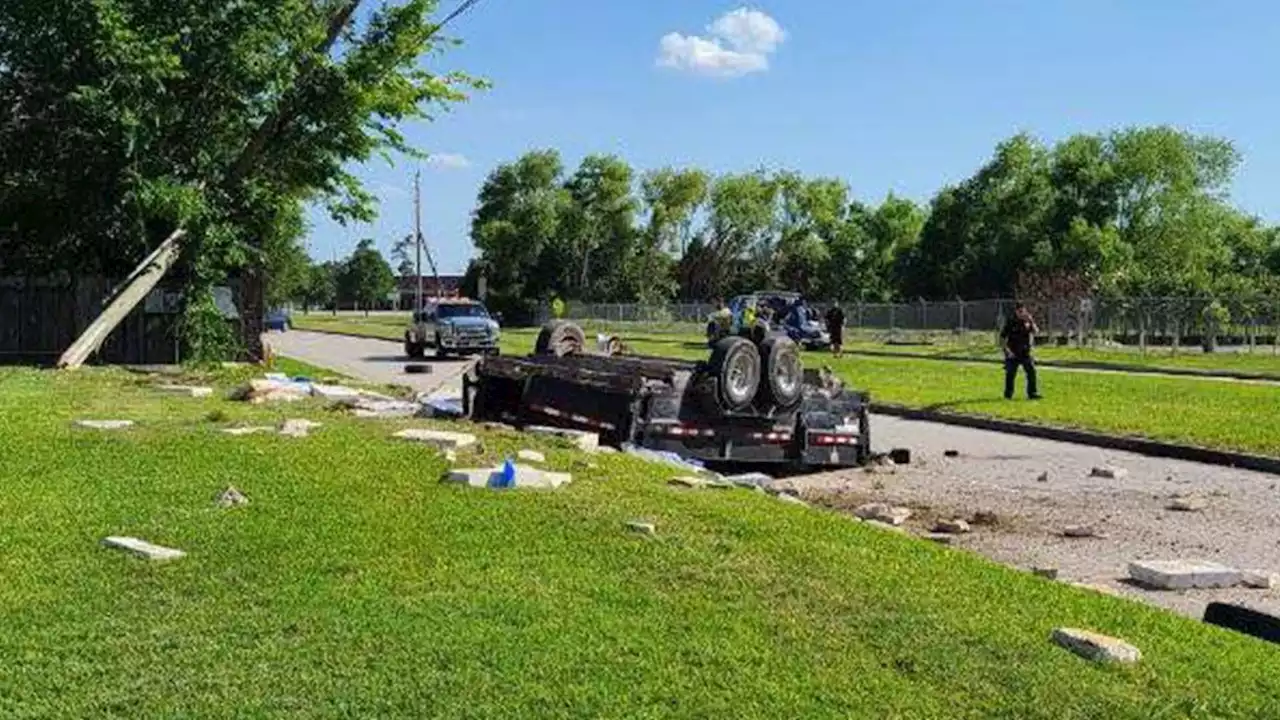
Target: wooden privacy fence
(41,317)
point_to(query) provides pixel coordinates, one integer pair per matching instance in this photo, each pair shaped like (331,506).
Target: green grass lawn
(356,585)
(1210,413)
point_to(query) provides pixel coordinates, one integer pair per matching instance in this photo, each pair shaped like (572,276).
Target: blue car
(277,320)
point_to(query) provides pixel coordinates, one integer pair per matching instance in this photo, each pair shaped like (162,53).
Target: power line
(462,8)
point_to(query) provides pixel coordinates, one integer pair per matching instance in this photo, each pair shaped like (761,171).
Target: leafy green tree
(366,277)
(516,227)
(598,228)
(321,289)
(126,119)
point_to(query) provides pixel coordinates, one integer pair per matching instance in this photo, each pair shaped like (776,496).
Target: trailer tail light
(774,437)
(690,431)
(829,439)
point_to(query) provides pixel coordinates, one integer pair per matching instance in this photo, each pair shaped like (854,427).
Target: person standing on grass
(1018,336)
(835,329)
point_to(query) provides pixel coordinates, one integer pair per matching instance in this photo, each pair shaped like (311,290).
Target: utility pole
(417,233)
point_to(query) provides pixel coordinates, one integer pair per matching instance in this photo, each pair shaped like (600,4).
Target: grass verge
(355,584)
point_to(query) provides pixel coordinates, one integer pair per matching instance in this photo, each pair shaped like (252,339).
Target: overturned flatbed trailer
(716,411)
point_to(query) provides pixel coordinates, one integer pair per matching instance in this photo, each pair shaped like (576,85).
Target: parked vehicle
(452,326)
(749,402)
(278,319)
(775,310)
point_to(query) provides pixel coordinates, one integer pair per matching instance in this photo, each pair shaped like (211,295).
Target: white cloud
(737,43)
(448,161)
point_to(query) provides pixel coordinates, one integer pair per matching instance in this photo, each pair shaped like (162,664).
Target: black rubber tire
(782,383)
(560,338)
(412,350)
(735,364)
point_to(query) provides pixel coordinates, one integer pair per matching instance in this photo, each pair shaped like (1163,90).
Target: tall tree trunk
(252,312)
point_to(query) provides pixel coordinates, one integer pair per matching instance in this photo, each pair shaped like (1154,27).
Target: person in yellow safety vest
(749,317)
(557,308)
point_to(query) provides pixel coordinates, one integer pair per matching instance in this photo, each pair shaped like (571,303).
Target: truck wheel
(783,384)
(412,350)
(560,338)
(735,363)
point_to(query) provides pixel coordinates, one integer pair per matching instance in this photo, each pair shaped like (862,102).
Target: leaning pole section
(124,300)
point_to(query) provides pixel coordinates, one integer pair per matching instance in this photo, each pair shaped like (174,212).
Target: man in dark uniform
(1018,336)
(835,329)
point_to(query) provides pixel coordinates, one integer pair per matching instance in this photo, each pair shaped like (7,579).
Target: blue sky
(903,96)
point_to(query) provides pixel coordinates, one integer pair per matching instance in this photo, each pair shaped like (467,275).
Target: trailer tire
(782,385)
(560,338)
(735,364)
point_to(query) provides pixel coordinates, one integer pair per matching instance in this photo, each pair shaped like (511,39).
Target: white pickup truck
(452,326)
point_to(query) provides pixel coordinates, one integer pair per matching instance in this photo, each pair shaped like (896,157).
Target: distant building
(450,287)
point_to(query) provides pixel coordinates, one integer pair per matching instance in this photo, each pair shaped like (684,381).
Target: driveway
(370,359)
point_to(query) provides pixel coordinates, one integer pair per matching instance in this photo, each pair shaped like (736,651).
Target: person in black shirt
(835,329)
(1018,336)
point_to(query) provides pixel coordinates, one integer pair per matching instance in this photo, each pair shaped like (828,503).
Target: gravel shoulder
(1001,474)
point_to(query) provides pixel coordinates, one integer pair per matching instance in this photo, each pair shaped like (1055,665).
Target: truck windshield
(453,311)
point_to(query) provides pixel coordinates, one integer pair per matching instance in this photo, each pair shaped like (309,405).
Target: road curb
(345,334)
(1141,446)
(1120,369)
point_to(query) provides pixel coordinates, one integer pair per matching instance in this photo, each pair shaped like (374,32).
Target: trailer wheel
(735,363)
(560,338)
(783,384)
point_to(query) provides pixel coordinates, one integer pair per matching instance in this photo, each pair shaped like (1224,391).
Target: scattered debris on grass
(105,424)
(531,456)
(687,481)
(1048,573)
(142,548)
(752,481)
(791,499)
(252,430)
(297,427)
(1109,472)
(195,391)
(941,538)
(667,458)
(639,526)
(440,439)
(508,476)
(231,497)
(1096,647)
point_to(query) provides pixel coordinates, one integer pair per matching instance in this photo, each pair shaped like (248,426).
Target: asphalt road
(998,473)
(380,361)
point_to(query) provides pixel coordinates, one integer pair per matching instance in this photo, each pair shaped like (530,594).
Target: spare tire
(735,364)
(560,338)
(783,383)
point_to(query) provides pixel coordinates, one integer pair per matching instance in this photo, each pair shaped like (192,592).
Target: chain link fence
(1141,322)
